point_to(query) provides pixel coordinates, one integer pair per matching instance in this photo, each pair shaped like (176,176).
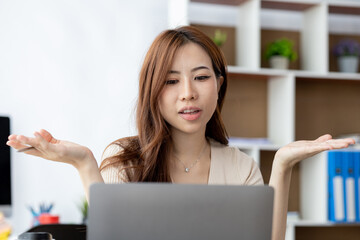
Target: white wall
(71,67)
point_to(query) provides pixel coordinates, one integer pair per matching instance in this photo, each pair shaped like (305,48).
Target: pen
(26,149)
(33,212)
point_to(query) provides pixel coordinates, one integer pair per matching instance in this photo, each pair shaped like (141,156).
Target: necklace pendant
(187,170)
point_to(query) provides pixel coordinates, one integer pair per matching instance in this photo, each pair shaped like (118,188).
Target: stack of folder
(343,185)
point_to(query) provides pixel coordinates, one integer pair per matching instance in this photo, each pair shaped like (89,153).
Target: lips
(190,113)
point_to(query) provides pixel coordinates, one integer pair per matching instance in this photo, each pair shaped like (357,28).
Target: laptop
(163,211)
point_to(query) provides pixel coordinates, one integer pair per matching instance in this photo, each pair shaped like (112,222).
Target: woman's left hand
(294,152)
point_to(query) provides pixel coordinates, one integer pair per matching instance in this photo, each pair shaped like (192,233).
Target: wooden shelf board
(344,7)
(265,73)
(222,2)
(286,5)
(344,10)
(330,232)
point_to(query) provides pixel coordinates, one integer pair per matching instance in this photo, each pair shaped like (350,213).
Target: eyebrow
(192,70)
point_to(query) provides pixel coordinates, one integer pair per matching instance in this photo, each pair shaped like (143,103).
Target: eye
(168,82)
(202,77)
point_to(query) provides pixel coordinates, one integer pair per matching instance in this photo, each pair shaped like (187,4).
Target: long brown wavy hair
(143,157)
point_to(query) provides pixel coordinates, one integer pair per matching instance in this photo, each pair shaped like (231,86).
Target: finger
(323,138)
(16,144)
(47,136)
(20,142)
(340,143)
(349,140)
(27,140)
(43,143)
(12,137)
(315,149)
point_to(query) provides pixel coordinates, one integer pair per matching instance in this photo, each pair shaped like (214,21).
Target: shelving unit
(308,100)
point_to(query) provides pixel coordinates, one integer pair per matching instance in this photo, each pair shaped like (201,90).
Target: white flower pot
(279,62)
(348,64)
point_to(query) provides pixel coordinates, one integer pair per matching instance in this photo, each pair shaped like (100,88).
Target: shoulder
(238,167)
(112,166)
(119,146)
(111,150)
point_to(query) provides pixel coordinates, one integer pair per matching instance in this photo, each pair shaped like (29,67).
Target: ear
(220,81)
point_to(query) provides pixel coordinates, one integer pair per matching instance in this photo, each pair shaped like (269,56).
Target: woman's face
(190,95)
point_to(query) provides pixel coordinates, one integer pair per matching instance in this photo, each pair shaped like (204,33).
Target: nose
(188,91)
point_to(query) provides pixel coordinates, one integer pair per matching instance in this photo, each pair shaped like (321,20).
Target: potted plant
(84,207)
(347,52)
(219,37)
(280,52)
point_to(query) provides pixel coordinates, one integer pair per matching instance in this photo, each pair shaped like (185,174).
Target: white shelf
(267,72)
(313,19)
(221,2)
(304,223)
(329,75)
(269,147)
(259,72)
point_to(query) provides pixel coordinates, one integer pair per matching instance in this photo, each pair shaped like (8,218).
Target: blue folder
(336,200)
(344,185)
(356,155)
(349,185)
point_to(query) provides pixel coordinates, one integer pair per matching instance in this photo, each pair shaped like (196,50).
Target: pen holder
(46,218)
(43,216)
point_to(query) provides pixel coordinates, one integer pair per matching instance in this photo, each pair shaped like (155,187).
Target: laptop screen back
(177,212)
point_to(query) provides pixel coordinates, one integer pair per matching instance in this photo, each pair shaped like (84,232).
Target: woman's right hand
(46,146)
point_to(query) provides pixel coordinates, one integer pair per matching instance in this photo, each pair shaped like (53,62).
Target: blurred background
(71,67)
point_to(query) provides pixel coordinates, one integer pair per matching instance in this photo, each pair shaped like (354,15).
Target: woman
(181,138)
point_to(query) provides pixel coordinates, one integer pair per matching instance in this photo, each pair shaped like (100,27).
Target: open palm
(294,152)
(46,146)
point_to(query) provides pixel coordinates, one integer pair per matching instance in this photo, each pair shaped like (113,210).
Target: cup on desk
(35,236)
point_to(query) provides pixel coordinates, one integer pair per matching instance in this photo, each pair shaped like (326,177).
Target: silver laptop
(149,211)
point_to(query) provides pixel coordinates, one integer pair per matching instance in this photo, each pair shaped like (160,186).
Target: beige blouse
(229,166)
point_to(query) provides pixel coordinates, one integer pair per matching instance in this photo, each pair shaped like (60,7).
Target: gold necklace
(187,169)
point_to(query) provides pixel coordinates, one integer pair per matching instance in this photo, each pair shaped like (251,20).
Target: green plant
(219,37)
(83,207)
(281,47)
